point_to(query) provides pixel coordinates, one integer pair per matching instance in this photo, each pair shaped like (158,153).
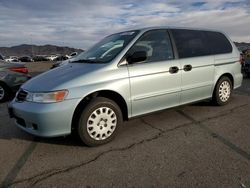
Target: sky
(81,23)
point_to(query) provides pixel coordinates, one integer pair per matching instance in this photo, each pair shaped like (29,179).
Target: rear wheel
(4,92)
(223,91)
(99,121)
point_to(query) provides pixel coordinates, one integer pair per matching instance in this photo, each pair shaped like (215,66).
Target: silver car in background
(125,75)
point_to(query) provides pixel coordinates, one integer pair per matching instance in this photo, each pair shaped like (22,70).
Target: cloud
(80,23)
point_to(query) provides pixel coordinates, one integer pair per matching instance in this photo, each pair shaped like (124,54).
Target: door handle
(187,67)
(173,70)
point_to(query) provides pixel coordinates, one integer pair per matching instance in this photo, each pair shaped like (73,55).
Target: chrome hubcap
(1,93)
(101,123)
(224,91)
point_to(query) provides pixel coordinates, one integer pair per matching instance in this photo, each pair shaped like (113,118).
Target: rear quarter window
(218,43)
(190,43)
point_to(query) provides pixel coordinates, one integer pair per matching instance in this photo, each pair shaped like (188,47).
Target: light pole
(31,45)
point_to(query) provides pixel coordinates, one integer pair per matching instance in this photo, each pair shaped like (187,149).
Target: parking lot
(198,145)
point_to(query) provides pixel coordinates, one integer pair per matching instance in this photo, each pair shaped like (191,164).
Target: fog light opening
(34,126)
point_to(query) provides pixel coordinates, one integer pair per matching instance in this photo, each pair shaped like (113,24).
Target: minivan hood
(56,79)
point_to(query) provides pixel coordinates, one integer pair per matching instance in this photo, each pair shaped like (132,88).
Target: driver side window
(156,44)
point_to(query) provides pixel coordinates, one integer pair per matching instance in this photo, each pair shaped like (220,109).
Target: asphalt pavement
(198,145)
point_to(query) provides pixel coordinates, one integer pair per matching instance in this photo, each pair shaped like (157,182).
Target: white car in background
(73,54)
(52,57)
(12,59)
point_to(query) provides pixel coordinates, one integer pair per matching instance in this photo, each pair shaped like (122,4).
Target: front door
(155,83)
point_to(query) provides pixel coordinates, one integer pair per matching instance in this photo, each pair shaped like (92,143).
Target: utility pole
(32,53)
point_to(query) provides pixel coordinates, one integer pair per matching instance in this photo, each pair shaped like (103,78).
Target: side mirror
(136,57)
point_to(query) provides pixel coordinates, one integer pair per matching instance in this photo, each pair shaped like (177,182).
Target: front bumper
(46,120)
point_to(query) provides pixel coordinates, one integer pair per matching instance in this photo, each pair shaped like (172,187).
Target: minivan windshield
(107,49)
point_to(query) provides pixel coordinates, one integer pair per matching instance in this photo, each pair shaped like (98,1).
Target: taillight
(19,69)
(241,59)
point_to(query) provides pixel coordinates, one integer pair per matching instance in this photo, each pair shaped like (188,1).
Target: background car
(51,57)
(25,59)
(73,54)
(61,58)
(15,61)
(12,59)
(1,57)
(40,58)
(246,65)
(12,76)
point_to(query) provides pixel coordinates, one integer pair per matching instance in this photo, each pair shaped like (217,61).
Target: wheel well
(117,98)
(229,76)
(5,85)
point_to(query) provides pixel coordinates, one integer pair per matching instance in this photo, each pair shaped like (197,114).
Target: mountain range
(32,50)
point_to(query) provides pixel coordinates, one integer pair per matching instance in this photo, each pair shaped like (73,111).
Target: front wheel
(222,91)
(99,121)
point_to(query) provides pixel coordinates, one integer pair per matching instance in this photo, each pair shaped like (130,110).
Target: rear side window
(190,43)
(218,43)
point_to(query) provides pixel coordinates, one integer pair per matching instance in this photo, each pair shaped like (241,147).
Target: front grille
(21,95)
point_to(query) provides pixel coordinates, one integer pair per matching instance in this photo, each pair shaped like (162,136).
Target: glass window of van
(190,43)
(157,45)
(107,49)
(218,43)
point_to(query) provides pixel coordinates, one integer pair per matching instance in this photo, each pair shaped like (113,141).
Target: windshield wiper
(85,61)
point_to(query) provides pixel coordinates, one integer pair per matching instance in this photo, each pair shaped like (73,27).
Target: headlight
(48,97)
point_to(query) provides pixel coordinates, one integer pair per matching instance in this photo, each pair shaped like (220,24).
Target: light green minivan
(125,75)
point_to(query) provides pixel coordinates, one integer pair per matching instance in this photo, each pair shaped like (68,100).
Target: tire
(99,122)
(4,93)
(222,92)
